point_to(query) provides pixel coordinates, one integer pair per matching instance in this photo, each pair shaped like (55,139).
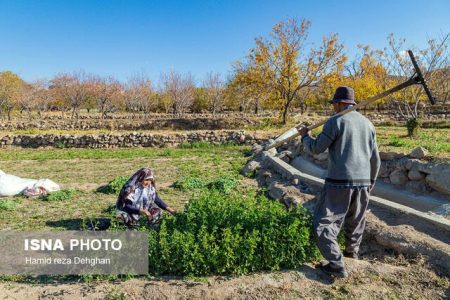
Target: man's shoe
(350,255)
(332,272)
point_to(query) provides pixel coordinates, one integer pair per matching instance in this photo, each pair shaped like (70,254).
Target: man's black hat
(343,94)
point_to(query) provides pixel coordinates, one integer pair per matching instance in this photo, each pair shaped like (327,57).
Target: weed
(62,195)
(7,205)
(114,186)
(196,145)
(396,142)
(60,145)
(189,183)
(116,294)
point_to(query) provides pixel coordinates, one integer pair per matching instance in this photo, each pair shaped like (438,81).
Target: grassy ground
(436,141)
(86,170)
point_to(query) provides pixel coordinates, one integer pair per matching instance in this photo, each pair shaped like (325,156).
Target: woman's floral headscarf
(130,185)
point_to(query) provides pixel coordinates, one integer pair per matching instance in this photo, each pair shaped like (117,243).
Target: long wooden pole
(294,131)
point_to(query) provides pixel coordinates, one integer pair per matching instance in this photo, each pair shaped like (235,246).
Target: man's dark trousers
(339,206)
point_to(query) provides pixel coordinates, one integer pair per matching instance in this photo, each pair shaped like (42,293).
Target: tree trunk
(285,114)
(257,108)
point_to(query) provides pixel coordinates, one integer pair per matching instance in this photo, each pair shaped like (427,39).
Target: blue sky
(40,38)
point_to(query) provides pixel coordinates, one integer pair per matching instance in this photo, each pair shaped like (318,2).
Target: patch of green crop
(7,205)
(224,183)
(189,183)
(235,233)
(62,195)
(114,186)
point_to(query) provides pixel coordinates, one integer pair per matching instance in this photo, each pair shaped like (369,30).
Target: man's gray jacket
(353,158)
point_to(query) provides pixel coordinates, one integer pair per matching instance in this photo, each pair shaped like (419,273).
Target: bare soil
(368,280)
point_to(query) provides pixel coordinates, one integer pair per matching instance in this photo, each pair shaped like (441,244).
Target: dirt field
(381,274)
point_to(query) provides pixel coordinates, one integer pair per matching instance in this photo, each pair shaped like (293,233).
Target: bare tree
(438,57)
(26,101)
(43,96)
(214,86)
(139,94)
(73,89)
(107,93)
(433,61)
(181,90)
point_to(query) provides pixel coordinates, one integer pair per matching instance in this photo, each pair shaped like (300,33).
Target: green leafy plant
(189,183)
(235,233)
(7,205)
(396,142)
(62,195)
(114,186)
(224,183)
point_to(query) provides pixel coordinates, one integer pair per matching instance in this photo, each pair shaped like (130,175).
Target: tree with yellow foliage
(11,86)
(288,66)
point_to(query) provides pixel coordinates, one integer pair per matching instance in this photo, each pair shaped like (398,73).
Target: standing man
(353,165)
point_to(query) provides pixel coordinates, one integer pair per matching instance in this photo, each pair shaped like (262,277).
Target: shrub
(114,186)
(189,183)
(413,125)
(62,195)
(7,205)
(232,233)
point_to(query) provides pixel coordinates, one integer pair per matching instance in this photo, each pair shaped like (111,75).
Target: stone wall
(150,123)
(126,140)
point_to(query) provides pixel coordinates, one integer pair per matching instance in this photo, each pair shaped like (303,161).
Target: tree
(366,74)
(288,65)
(181,90)
(11,87)
(438,57)
(251,81)
(107,93)
(214,86)
(139,94)
(73,89)
(202,100)
(431,60)
(43,96)
(26,101)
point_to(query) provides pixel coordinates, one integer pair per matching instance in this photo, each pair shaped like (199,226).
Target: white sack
(11,185)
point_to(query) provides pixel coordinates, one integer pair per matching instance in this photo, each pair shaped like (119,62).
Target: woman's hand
(171,210)
(146,213)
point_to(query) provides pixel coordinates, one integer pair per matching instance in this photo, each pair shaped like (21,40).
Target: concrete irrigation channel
(398,219)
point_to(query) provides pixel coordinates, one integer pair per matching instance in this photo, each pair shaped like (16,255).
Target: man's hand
(304,131)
